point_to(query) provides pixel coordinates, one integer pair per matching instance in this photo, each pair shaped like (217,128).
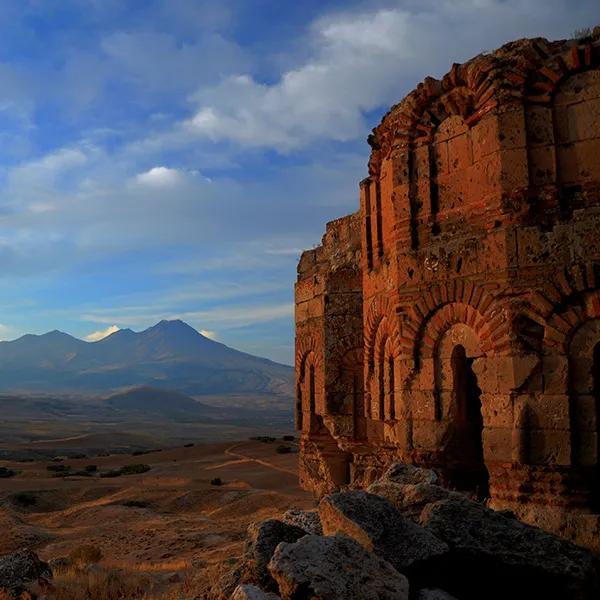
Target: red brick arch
(564,303)
(304,347)
(446,304)
(547,73)
(562,325)
(381,322)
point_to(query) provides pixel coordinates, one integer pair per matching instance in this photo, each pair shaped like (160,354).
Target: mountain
(170,355)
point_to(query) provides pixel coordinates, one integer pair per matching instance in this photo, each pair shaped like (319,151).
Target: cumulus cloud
(96,336)
(160,177)
(362,60)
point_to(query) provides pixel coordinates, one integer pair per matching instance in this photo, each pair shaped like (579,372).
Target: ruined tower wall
(478,284)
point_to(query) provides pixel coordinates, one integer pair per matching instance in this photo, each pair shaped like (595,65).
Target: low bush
(216,481)
(24,499)
(111,473)
(266,439)
(135,504)
(58,468)
(91,468)
(288,438)
(190,445)
(135,469)
(85,555)
(5,473)
(283,449)
(140,452)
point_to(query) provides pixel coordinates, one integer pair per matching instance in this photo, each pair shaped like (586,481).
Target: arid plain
(167,530)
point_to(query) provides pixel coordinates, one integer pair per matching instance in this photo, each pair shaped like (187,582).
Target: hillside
(170,355)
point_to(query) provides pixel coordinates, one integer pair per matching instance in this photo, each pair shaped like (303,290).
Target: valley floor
(169,524)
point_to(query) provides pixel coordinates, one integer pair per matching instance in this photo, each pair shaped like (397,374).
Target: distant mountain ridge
(170,355)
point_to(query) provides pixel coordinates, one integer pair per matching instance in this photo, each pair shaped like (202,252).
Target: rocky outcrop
(261,542)
(309,520)
(20,570)
(434,594)
(332,568)
(251,592)
(489,549)
(375,524)
(453,549)
(409,489)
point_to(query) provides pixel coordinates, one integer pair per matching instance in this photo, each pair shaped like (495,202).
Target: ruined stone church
(454,320)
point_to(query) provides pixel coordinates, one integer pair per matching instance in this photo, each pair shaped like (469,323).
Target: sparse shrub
(77,455)
(216,481)
(102,584)
(135,469)
(24,499)
(135,504)
(140,452)
(266,439)
(111,473)
(583,33)
(58,459)
(190,445)
(85,555)
(288,438)
(283,449)
(58,468)
(80,474)
(5,473)
(91,468)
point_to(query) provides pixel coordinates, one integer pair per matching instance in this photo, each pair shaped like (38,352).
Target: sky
(166,159)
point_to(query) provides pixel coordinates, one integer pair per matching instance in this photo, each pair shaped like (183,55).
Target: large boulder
(434,594)
(334,568)
(506,558)
(21,569)
(409,499)
(375,524)
(308,520)
(251,592)
(261,541)
(406,474)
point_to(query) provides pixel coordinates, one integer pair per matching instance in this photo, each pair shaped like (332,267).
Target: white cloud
(209,334)
(6,332)
(160,177)
(361,61)
(96,336)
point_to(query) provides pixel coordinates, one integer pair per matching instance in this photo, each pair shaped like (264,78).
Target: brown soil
(166,521)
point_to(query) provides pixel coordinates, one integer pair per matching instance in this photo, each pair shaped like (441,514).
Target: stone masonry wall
(454,321)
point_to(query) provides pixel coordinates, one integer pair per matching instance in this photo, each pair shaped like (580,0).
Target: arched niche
(563,139)
(459,395)
(309,393)
(584,395)
(383,380)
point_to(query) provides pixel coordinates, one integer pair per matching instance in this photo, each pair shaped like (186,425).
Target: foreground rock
(334,568)
(434,594)
(260,544)
(20,570)
(309,520)
(375,524)
(506,558)
(405,474)
(251,592)
(409,499)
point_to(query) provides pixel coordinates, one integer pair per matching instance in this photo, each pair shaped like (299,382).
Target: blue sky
(170,158)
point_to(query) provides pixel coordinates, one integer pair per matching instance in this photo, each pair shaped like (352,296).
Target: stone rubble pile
(406,538)
(20,571)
